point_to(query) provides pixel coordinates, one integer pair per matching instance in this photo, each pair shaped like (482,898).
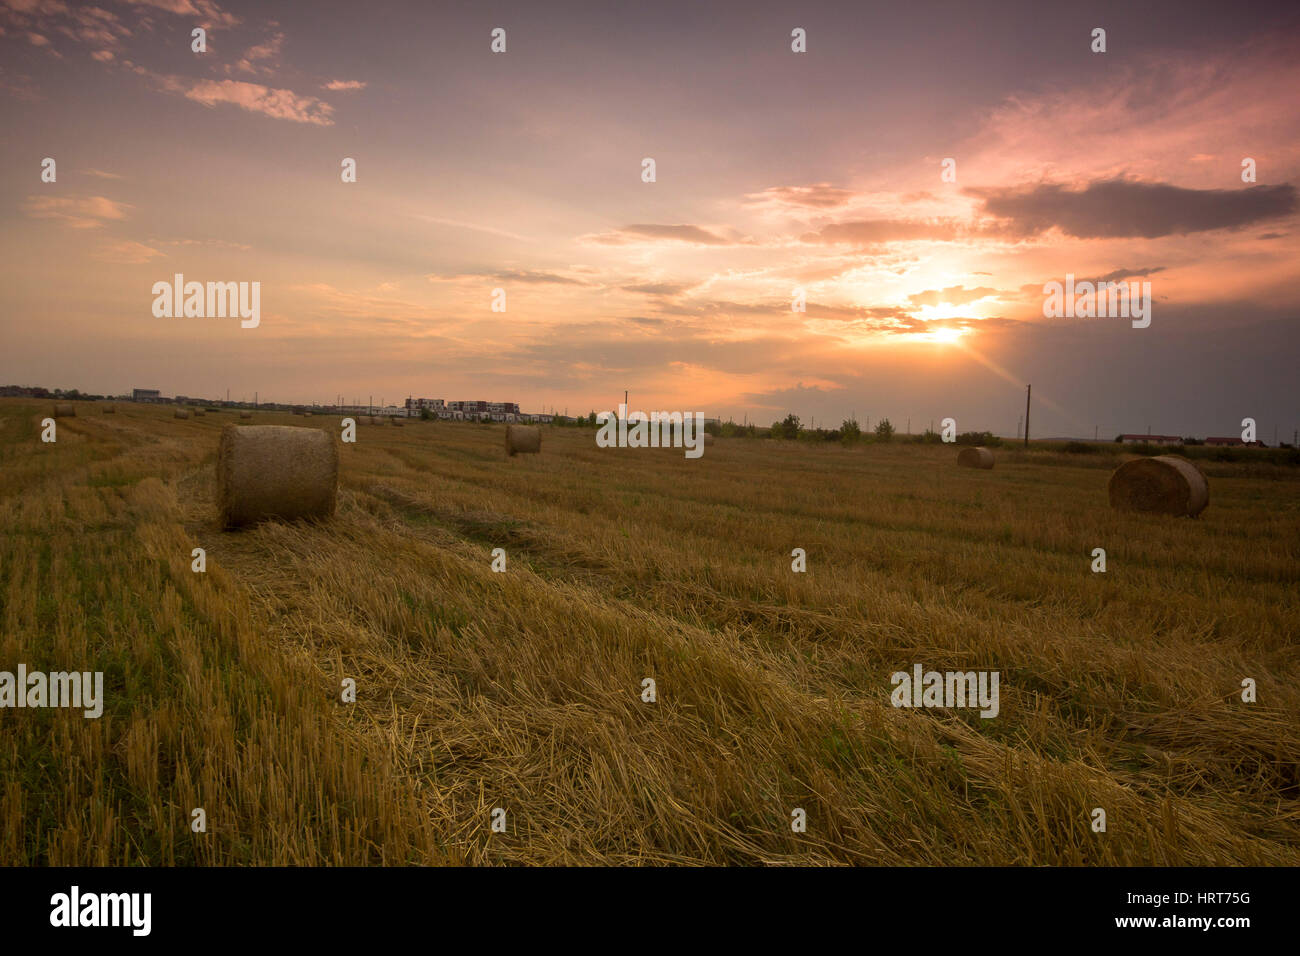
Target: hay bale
(65,410)
(108,409)
(1168,485)
(523,439)
(708,439)
(275,471)
(975,458)
(396,423)
(181,413)
(306,414)
(198,413)
(245,414)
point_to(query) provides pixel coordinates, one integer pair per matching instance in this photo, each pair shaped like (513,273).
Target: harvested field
(522,689)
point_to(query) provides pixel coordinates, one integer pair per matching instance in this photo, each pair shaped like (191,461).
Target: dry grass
(522,689)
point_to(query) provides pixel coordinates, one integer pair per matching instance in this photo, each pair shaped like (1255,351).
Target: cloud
(489,230)
(509,275)
(818,195)
(277,104)
(88,212)
(954,295)
(101,174)
(207,12)
(337,85)
(660,288)
(103,56)
(270,50)
(127,252)
(1121,208)
(872,231)
(639,232)
(1118,274)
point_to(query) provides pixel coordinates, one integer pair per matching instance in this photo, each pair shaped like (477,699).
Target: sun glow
(945,336)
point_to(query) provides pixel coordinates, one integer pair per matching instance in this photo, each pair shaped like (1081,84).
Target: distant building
(416,405)
(1151,439)
(146,395)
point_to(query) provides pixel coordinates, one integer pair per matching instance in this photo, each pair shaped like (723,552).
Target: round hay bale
(108,409)
(180,413)
(396,423)
(523,439)
(975,458)
(708,439)
(245,414)
(1167,485)
(198,413)
(306,414)
(65,410)
(275,471)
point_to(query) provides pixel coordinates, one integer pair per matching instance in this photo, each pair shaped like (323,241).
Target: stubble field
(522,690)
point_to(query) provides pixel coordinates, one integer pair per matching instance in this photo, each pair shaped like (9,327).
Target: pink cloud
(277,104)
(209,13)
(337,85)
(127,252)
(89,212)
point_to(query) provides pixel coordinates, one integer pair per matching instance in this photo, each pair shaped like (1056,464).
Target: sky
(774,171)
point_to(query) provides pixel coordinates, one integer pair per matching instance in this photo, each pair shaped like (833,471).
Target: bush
(884,430)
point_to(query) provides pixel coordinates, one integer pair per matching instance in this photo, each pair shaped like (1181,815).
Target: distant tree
(425,415)
(791,427)
(850,431)
(884,430)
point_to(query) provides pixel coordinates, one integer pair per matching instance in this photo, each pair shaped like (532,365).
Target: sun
(946,336)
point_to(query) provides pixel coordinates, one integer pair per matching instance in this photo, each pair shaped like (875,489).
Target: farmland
(522,689)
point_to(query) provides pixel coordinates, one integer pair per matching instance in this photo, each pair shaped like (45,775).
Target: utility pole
(254,398)
(1096,429)
(1020,424)
(909,426)
(1029,391)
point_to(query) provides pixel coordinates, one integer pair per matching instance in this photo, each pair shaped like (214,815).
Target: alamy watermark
(1099,300)
(130,910)
(57,689)
(656,430)
(948,689)
(215,300)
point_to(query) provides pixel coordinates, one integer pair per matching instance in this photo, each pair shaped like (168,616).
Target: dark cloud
(1121,208)
(1128,274)
(510,275)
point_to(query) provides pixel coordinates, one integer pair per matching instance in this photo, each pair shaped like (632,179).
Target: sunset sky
(775,170)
